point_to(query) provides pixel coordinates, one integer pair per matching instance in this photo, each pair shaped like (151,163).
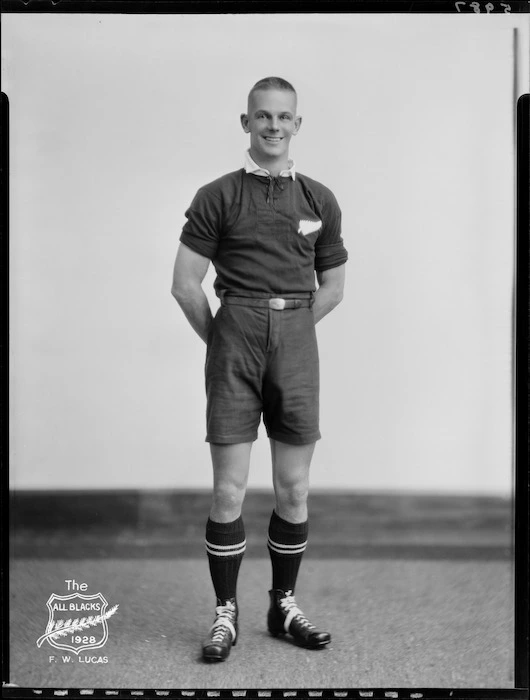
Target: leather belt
(275,303)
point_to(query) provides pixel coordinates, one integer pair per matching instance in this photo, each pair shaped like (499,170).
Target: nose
(274,124)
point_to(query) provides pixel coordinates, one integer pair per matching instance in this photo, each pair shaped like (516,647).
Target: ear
(297,124)
(244,123)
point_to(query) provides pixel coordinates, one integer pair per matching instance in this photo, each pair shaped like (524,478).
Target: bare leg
(230,475)
(290,474)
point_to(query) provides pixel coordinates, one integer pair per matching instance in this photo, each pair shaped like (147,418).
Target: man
(267,229)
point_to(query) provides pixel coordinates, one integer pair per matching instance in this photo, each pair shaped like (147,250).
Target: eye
(286,117)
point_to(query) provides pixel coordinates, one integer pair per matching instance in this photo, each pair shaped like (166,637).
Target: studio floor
(415,616)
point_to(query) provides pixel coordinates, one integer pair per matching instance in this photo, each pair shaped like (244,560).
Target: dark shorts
(262,361)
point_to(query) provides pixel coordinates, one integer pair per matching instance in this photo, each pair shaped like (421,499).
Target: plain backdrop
(117,120)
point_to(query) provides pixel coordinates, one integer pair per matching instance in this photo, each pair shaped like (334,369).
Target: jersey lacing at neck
(273,181)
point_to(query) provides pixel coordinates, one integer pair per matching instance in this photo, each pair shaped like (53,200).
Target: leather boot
(285,617)
(223,632)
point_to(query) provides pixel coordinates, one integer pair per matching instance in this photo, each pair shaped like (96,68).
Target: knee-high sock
(225,546)
(286,544)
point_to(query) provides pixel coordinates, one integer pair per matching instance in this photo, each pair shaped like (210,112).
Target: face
(271,122)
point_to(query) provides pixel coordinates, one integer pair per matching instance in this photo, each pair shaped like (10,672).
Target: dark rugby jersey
(265,235)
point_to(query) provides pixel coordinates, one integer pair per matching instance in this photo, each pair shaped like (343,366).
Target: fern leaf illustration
(78,625)
(62,628)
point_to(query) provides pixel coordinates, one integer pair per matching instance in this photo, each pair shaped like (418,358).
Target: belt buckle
(277,304)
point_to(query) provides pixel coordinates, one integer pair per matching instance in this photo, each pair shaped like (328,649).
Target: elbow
(179,291)
(337,296)
(185,290)
(175,291)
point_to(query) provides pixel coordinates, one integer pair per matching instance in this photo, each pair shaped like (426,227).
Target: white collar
(252,167)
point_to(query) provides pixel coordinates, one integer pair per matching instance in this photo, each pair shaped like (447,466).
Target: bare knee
(291,479)
(291,501)
(230,467)
(227,501)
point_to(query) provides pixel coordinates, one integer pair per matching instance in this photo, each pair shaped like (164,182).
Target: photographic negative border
(522,311)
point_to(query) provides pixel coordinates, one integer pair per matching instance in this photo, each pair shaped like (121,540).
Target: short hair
(272,83)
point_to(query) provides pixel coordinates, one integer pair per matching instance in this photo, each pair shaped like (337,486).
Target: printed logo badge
(307,227)
(77,622)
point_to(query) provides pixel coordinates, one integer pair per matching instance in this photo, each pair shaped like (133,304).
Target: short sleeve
(202,229)
(329,248)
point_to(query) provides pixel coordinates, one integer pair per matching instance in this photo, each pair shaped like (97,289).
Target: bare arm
(329,292)
(188,274)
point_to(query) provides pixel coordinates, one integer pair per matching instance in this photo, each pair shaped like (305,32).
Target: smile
(273,139)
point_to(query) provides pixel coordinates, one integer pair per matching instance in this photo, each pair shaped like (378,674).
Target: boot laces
(224,621)
(290,608)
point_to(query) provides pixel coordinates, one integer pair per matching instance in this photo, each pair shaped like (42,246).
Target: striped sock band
(286,544)
(225,546)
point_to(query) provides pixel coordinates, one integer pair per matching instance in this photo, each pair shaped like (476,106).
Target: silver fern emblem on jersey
(307,227)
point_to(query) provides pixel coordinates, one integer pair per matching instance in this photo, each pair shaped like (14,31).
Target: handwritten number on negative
(489,7)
